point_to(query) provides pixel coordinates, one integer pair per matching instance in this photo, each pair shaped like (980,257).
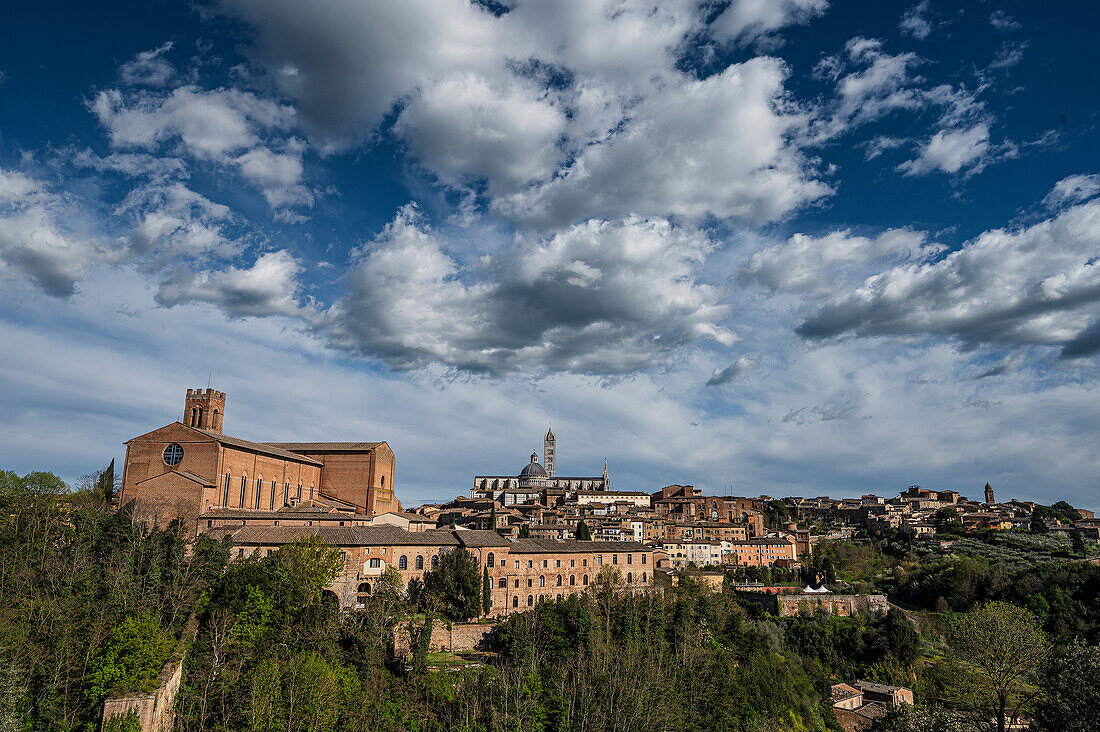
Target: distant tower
(606,476)
(989,494)
(548,452)
(204,409)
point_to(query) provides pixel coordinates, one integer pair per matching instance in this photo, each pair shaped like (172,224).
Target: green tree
(310,565)
(1038,524)
(997,651)
(583,533)
(455,585)
(1071,690)
(131,659)
(525,532)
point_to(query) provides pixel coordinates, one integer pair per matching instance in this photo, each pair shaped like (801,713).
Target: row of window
(490,561)
(228,484)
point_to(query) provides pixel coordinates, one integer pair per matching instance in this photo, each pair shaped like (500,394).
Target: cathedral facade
(187,468)
(535,478)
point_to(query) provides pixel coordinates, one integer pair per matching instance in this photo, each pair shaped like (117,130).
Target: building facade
(187,468)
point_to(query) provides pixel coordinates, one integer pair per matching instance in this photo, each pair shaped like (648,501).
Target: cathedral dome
(533,469)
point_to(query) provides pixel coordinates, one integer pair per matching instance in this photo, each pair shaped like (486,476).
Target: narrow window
(225,494)
(515,601)
(244,485)
(403,562)
(271,503)
(572,580)
(420,562)
(491,562)
(559,580)
(530,601)
(542,581)
(584,579)
(259,487)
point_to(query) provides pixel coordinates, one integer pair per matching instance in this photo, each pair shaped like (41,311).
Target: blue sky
(792,247)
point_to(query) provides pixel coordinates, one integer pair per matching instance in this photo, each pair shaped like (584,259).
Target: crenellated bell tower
(204,409)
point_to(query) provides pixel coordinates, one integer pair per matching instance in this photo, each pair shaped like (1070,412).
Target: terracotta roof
(342,535)
(286,512)
(478,538)
(264,448)
(327,446)
(843,692)
(552,546)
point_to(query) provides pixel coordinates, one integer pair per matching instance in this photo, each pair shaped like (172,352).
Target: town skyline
(881,272)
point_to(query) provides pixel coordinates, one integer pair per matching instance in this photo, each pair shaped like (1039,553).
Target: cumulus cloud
(732,372)
(464,130)
(1072,189)
(744,21)
(268,287)
(1035,286)
(821,413)
(42,236)
(819,266)
(148,68)
(209,124)
(598,297)
(170,220)
(916,21)
(950,151)
(562,111)
(718,146)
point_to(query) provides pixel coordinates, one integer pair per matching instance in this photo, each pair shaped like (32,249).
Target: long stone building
(189,467)
(521,571)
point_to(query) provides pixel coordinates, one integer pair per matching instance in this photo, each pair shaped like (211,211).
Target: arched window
(572,580)
(559,580)
(515,601)
(244,486)
(542,581)
(629,577)
(420,562)
(403,562)
(383,481)
(225,494)
(490,583)
(530,601)
(259,486)
(435,562)
(584,580)
(271,503)
(491,561)
(363,592)
(643,578)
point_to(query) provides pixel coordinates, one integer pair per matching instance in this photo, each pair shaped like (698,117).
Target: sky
(784,247)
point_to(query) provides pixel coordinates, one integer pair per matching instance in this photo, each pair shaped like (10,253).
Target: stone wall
(445,636)
(156,709)
(786,606)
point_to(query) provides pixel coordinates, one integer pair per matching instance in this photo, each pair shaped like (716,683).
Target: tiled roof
(478,538)
(338,535)
(327,446)
(552,546)
(264,448)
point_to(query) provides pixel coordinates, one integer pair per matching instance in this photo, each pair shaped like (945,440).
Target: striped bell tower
(548,448)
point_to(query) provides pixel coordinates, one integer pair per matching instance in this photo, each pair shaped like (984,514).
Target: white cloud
(171,220)
(1035,286)
(744,21)
(718,146)
(598,297)
(916,22)
(149,68)
(45,237)
(950,151)
(209,124)
(819,266)
(268,287)
(732,372)
(1003,22)
(465,130)
(1072,189)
